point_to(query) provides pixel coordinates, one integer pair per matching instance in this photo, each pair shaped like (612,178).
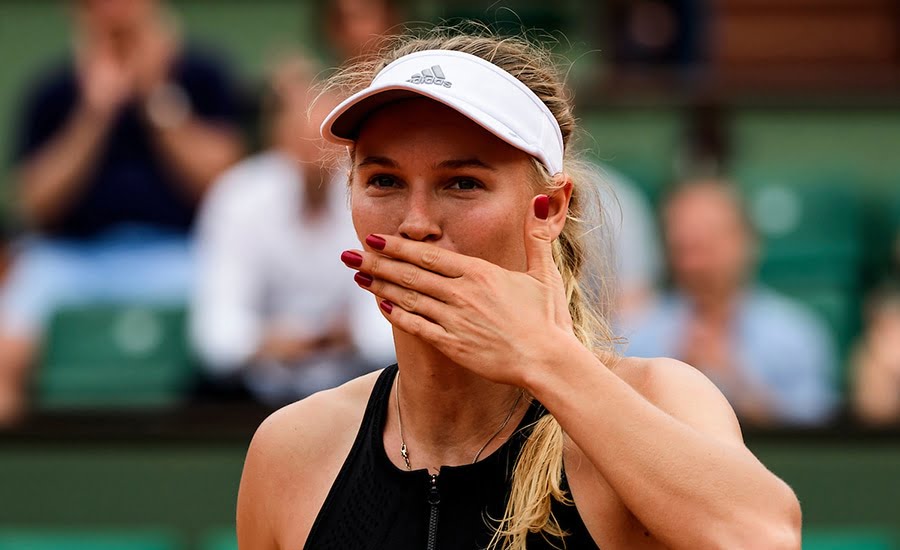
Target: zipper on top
(434,499)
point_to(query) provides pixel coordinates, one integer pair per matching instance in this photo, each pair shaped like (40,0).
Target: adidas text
(434,76)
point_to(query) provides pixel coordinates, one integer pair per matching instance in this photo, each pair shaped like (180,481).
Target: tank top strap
(376,409)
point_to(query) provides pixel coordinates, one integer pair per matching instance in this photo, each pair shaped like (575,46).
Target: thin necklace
(404,452)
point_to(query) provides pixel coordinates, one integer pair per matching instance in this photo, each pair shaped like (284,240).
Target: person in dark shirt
(115,149)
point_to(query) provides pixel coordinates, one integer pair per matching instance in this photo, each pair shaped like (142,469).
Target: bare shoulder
(293,459)
(682,391)
(296,433)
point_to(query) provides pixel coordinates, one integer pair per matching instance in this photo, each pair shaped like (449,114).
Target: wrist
(96,115)
(167,106)
(552,362)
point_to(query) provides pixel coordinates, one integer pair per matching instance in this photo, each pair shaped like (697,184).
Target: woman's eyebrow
(377,161)
(465,163)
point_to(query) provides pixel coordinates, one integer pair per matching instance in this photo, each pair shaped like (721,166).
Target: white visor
(476,88)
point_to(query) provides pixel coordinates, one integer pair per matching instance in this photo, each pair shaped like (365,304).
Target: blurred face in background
(113,16)
(294,114)
(354,26)
(709,244)
(294,126)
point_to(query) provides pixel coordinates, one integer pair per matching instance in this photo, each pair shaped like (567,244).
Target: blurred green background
(164,476)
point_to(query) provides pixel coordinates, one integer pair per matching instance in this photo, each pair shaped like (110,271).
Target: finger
(410,300)
(539,240)
(412,323)
(425,255)
(398,272)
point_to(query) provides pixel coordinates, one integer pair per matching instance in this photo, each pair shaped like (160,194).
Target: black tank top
(375,505)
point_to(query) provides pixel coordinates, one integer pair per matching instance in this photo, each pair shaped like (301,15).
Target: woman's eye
(465,184)
(382,181)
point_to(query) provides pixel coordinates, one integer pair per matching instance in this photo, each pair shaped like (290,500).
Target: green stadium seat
(894,212)
(809,230)
(83,540)
(220,539)
(811,245)
(847,539)
(115,356)
(881,232)
(858,143)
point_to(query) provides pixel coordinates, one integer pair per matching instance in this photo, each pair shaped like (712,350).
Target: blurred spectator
(635,244)
(274,306)
(772,358)
(356,27)
(875,361)
(6,246)
(658,33)
(115,148)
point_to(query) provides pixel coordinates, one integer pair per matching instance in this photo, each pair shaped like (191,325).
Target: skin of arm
(877,389)
(54,174)
(674,455)
(198,151)
(273,467)
(254,519)
(286,348)
(675,447)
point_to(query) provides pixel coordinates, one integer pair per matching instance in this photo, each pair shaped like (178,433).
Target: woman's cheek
(488,233)
(374,214)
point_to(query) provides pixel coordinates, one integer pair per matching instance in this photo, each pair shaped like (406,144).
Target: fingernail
(542,207)
(352,259)
(362,279)
(375,242)
(387,306)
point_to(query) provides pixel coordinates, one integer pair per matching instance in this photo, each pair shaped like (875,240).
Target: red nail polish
(542,207)
(362,279)
(387,306)
(375,242)
(352,259)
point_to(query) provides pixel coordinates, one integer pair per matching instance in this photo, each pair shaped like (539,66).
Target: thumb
(538,239)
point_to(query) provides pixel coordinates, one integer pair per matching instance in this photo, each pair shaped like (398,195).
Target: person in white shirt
(636,250)
(273,305)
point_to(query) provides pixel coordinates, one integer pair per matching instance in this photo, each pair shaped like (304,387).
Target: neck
(716,303)
(315,188)
(448,412)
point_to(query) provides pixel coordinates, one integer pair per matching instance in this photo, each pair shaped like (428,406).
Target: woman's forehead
(423,126)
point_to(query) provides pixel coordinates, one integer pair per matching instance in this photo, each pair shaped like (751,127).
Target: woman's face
(424,172)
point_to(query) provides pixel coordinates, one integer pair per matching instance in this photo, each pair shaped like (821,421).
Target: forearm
(52,177)
(877,393)
(293,348)
(198,152)
(690,489)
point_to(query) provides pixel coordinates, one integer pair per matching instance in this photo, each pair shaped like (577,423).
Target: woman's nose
(420,221)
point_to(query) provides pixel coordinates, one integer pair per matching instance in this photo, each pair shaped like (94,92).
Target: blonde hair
(537,476)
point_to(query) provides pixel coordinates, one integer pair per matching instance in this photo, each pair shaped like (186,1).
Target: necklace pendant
(405,455)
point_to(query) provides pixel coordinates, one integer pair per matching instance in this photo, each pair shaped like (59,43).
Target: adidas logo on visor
(434,75)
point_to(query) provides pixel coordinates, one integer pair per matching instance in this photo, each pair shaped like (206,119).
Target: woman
(508,423)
